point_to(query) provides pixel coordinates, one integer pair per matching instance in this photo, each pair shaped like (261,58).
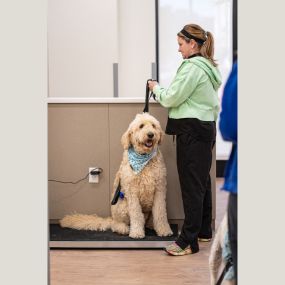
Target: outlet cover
(93,178)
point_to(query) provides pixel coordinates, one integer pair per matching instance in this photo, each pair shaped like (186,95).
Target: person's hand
(151,84)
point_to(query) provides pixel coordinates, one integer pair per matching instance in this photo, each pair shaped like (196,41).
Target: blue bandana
(139,161)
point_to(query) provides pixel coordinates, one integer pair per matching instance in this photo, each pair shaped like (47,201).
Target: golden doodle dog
(141,195)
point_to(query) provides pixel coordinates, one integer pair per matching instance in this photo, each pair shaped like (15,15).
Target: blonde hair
(207,47)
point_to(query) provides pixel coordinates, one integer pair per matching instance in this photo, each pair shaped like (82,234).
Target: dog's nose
(150,135)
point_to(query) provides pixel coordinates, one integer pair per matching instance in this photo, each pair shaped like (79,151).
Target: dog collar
(139,161)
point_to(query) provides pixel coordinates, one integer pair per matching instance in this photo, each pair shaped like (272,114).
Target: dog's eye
(141,126)
(153,125)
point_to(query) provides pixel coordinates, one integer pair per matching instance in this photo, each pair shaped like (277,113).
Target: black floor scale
(70,238)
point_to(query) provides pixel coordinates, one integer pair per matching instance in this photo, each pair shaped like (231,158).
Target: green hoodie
(193,91)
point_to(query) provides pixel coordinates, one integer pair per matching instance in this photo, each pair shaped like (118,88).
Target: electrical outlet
(93,178)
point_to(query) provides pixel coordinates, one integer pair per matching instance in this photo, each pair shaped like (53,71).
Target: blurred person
(228,127)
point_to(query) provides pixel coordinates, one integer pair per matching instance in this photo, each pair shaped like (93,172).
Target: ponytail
(207,48)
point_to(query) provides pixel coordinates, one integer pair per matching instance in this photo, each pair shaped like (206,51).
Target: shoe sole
(178,253)
(204,239)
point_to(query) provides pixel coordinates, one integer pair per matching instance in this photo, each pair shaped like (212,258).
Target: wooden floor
(144,267)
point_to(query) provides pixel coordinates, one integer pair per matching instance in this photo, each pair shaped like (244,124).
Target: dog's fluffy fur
(216,260)
(145,193)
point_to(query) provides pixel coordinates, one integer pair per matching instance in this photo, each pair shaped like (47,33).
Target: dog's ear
(161,136)
(126,139)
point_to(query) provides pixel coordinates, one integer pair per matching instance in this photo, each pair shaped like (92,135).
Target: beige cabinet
(78,138)
(86,135)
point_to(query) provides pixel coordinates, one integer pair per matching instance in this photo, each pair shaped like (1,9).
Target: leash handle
(148,95)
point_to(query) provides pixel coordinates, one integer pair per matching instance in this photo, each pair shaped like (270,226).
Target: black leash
(148,95)
(117,194)
(227,267)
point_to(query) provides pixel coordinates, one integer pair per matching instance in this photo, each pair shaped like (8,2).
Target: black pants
(194,159)
(232,223)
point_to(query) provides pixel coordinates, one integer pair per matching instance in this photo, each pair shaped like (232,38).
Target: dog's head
(144,134)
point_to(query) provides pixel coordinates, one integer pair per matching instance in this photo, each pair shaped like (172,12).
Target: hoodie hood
(212,71)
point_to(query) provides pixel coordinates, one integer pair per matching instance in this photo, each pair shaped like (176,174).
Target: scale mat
(70,238)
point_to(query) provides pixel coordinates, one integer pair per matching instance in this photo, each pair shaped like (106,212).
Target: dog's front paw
(123,229)
(137,233)
(164,232)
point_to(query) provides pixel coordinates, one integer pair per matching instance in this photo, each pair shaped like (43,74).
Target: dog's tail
(86,222)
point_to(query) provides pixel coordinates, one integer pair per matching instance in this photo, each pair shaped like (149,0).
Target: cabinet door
(82,47)
(78,138)
(136,46)
(100,48)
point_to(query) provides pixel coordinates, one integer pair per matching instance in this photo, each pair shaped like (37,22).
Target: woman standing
(193,106)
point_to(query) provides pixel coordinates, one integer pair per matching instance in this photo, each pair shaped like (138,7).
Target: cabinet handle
(116,79)
(153,71)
